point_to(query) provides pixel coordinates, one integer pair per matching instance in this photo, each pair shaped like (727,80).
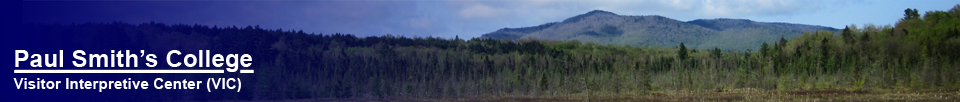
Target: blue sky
(463,18)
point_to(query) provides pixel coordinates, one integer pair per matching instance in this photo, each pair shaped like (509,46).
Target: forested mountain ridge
(609,28)
(722,24)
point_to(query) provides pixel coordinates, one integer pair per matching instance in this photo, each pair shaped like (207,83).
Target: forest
(919,52)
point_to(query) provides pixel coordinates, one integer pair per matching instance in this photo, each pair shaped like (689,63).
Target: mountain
(609,28)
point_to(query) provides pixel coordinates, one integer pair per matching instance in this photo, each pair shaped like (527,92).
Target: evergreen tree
(716,53)
(763,49)
(682,53)
(783,42)
(847,35)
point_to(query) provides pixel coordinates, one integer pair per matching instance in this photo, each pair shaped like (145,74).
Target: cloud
(736,8)
(481,11)
(421,23)
(539,2)
(689,8)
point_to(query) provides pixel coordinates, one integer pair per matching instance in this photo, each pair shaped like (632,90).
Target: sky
(462,18)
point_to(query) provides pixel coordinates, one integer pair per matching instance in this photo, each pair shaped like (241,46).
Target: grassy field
(745,94)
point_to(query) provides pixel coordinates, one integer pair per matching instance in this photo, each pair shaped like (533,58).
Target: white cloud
(418,23)
(694,8)
(539,2)
(739,8)
(480,11)
(680,4)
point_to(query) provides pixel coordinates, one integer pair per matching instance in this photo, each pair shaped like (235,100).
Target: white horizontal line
(246,71)
(119,71)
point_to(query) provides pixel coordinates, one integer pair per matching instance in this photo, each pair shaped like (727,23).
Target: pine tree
(682,53)
(847,35)
(763,49)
